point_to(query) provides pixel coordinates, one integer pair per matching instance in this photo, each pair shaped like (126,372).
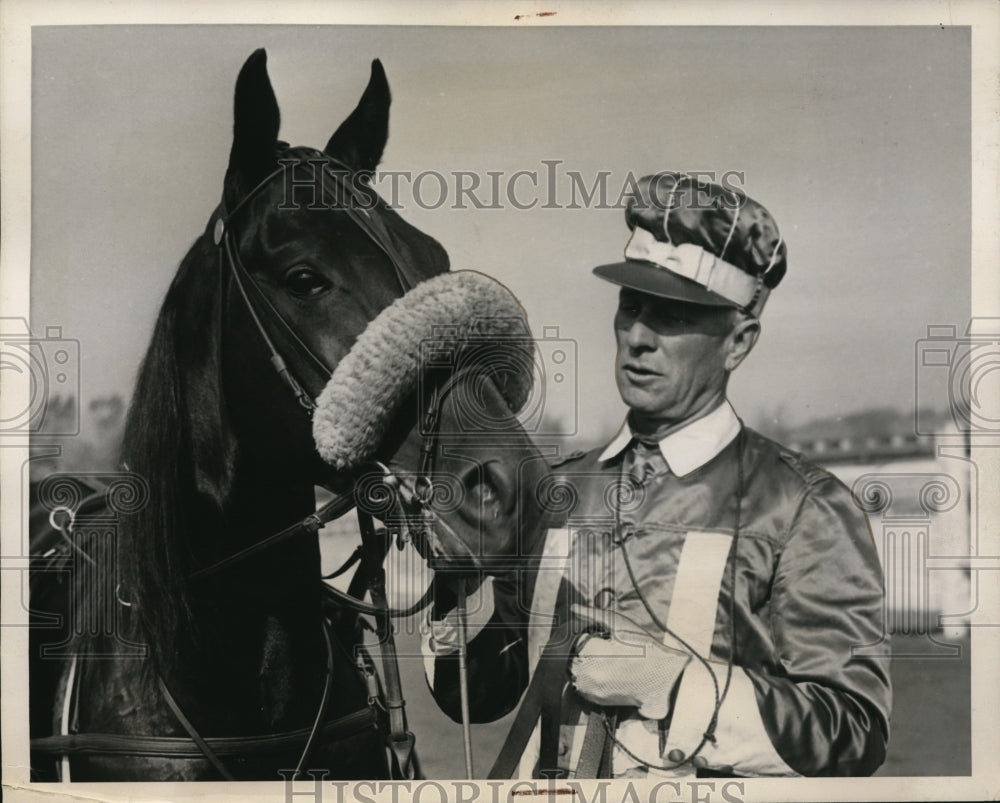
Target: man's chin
(641,400)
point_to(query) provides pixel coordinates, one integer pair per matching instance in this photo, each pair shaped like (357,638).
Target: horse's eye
(306,282)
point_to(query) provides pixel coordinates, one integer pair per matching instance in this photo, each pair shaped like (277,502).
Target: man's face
(671,361)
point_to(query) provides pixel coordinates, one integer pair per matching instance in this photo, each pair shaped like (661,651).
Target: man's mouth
(638,371)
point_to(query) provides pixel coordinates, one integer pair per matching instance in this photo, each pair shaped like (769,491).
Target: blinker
(220,229)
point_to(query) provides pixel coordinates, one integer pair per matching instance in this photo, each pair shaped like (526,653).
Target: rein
(401,740)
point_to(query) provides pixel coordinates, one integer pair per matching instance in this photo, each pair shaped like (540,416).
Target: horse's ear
(256,121)
(361,138)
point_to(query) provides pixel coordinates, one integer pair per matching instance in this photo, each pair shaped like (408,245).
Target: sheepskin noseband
(455,310)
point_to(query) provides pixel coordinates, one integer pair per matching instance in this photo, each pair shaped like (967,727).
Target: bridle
(411,499)
(257,303)
(374,540)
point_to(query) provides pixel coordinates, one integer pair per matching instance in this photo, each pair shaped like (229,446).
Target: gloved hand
(621,664)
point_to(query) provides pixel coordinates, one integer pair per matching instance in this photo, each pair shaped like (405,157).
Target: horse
(287,354)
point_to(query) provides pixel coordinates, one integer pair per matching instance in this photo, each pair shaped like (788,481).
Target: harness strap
(548,681)
(247,287)
(401,740)
(376,229)
(203,746)
(550,723)
(543,703)
(312,523)
(324,703)
(353,558)
(338,597)
(65,744)
(116,744)
(64,723)
(547,684)
(596,750)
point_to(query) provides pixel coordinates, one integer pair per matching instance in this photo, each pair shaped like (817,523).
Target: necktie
(644,462)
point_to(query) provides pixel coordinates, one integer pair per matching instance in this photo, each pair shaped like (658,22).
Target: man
(706,601)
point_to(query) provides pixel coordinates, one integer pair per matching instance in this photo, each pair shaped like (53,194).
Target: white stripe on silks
(552,569)
(693,606)
(742,741)
(695,598)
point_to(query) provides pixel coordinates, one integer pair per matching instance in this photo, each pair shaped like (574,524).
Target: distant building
(918,492)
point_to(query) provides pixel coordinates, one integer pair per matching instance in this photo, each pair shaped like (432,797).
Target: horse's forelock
(423,256)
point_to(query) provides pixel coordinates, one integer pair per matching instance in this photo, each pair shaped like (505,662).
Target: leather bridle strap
(547,684)
(596,750)
(224,238)
(203,746)
(247,287)
(548,681)
(180,747)
(172,747)
(312,523)
(401,740)
(324,703)
(213,759)
(257,302)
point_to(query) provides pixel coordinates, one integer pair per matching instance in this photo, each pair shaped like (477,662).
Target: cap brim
(648,278)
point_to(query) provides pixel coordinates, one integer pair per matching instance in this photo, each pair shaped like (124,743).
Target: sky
(856,139)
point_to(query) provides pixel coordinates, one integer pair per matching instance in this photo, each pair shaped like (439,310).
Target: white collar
(691,446)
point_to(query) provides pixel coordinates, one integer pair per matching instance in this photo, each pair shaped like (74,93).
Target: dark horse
(246,653)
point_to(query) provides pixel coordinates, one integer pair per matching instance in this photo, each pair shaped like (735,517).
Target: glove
(624,665)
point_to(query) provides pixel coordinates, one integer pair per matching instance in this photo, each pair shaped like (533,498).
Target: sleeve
(497,652)
(824,709)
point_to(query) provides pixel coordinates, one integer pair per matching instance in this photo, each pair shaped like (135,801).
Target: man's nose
(639,335)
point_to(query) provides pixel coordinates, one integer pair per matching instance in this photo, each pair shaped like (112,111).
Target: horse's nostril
(486,498)
(496,474)
(485,492)
(489,490)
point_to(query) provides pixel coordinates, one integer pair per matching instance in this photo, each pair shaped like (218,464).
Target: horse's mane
(177,438)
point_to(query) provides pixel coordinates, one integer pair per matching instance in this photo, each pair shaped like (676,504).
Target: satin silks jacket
(809,691)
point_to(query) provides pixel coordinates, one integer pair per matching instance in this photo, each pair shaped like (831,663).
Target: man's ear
(741,341)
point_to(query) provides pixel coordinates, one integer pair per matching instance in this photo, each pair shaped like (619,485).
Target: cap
(699,242)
